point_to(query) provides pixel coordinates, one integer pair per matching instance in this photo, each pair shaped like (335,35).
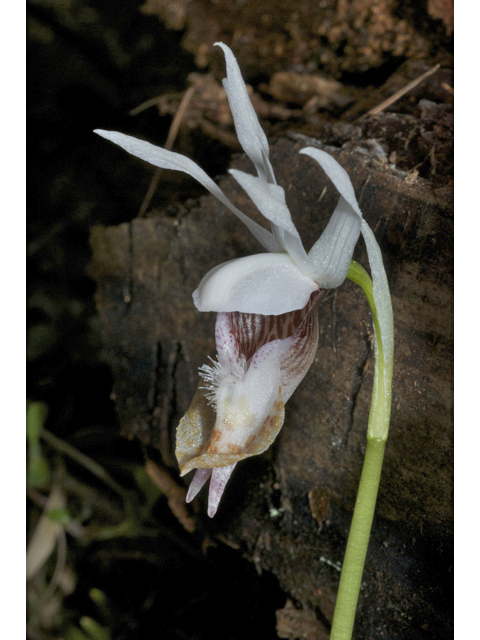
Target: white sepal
(266,283)
(381,296)
(383,304)
(270,201)
(220,477)
(165,159)
(268,198)
(332,253)
(199,479)
(337,175)
(250,133)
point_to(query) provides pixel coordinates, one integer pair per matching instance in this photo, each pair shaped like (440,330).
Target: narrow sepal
(198,481)
(383,305)
(332,253)
(220,477)
(268,198)
(165,159)
(250,134)
(337,175)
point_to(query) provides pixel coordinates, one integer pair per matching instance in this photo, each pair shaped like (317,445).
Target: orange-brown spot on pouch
(234,449)
(215,439)
(249,442)
(227,425)
(212,448)
(265,427)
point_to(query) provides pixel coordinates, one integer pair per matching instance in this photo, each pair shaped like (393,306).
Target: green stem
(354,561)
(378,422)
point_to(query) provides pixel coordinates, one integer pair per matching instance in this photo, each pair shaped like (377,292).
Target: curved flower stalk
(267,326)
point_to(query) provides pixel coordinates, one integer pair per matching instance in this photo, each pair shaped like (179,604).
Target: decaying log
(343,36)
(289,510)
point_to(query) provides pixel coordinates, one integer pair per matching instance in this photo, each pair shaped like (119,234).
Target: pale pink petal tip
(199,479)
(219,479)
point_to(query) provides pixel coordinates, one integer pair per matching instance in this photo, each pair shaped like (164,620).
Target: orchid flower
(267,324)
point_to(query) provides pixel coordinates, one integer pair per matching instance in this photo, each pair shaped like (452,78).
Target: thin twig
(172,134)
(151,103)
(37,498)
(396,96)
(174,493)
(447,88)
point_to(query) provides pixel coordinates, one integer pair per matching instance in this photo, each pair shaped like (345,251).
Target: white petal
(270,201)
(332,253)
(268,198)
(169,160)
(337,175)
(266,283)
(249,132)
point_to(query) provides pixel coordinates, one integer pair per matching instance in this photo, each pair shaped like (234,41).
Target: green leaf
(74,633)
(36,416)
(38,470)
(94,629)
(59,515)
(98,597)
